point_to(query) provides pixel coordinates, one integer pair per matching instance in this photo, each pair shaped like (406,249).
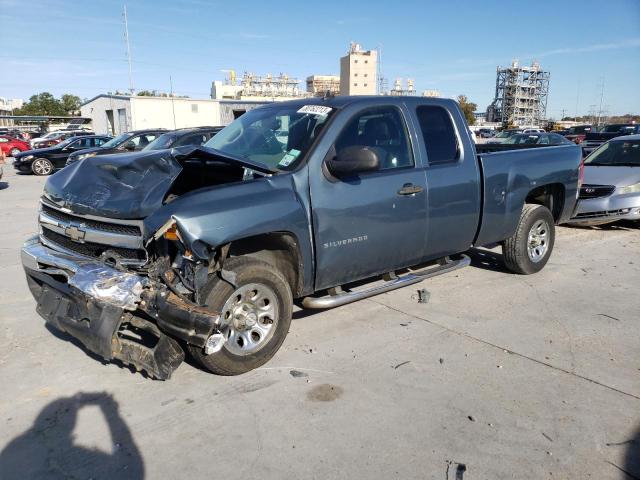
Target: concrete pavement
(498,376)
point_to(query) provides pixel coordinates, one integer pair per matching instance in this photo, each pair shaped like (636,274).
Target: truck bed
(510,175)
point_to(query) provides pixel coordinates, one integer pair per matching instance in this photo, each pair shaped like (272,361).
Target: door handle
(409,189)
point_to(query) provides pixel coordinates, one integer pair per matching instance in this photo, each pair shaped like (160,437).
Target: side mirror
(130,146)
(352,160)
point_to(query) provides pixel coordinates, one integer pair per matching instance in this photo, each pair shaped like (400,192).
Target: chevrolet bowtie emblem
(74,233)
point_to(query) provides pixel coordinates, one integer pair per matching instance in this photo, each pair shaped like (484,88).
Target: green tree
(42,104)
(70,103)
(468,108)
(46,104)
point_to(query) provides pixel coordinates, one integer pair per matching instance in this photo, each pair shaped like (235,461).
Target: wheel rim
(249,318)
(42,167)
(538,241)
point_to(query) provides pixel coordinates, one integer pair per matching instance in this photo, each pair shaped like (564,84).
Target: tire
(14,152)
(524,255)
(247,346)
(42,166)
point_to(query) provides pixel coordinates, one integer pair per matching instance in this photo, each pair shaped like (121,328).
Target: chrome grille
(91,236)
(595,191)
(98,225)
(89,249)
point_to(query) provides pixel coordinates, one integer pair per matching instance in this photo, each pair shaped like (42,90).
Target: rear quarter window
(439,134)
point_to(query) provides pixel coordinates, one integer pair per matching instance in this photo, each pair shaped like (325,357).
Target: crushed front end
(121,295)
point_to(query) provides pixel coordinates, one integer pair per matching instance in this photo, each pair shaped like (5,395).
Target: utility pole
(601,99)
(563,112)
(126,41)
(380,77)
(173,107)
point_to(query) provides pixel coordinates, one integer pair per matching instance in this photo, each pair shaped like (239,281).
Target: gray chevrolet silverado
(144,256)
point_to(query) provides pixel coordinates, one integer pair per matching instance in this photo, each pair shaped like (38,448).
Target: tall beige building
(358,71)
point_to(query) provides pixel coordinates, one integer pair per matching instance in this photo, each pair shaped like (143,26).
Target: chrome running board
(445,265)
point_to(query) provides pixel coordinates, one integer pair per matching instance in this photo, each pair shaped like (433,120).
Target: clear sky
(453,46)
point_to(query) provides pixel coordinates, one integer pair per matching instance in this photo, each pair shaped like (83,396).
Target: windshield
(277,136)
(616,154)
(114,142)
(579,130)
(614,128)
(503,135)
(162,142)
(522,139)
(66,142)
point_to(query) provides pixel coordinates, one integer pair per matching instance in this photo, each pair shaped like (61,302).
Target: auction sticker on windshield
(289,157)
(315,110)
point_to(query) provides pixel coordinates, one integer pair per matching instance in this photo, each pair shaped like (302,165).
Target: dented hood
(126,186)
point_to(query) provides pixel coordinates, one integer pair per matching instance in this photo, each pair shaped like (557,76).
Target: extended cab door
(453,177)
(370,222)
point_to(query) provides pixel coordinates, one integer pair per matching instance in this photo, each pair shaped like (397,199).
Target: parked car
(533,130)
(11,146)
(485,133)
(45,161)
(577,134)
(125,142)
(593,140)
(54,138)
(293,200)
(611,189)
(503,135)
(184,137)
(536,139)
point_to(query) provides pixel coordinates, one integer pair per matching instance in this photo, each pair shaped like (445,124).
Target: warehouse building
(114,114)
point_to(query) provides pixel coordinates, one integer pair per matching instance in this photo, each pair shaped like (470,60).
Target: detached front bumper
(115,314)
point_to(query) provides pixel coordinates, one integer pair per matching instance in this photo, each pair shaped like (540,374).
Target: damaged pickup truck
(144,256)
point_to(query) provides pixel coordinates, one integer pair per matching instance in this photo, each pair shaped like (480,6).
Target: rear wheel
(529,249)
(42,166)
(255,315)
(14,152)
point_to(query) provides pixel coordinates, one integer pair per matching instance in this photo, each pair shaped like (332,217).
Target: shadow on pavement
(47,449)
(487,260)
(4,185)
(632,457)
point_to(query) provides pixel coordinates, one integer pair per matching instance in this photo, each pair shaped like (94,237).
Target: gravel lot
(498,376)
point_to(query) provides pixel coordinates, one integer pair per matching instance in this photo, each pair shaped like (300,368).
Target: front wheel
(255,314)
(42,166)
(529,249)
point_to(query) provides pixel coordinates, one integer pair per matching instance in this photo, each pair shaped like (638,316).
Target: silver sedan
(611,188)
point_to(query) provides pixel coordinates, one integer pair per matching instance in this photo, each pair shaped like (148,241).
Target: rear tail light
(581,174)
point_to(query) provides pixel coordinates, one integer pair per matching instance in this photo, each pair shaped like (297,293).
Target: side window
(194,139)
(439,134)
(84,143)
(382,129)
(141,141)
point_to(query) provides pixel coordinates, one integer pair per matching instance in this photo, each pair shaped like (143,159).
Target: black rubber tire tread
(246,270)
(47,160)
(514,249)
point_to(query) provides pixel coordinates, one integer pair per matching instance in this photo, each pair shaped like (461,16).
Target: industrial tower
(521,95)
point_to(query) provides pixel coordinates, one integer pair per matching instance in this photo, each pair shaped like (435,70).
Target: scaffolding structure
(320,85)
(270,86)
(521,95)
